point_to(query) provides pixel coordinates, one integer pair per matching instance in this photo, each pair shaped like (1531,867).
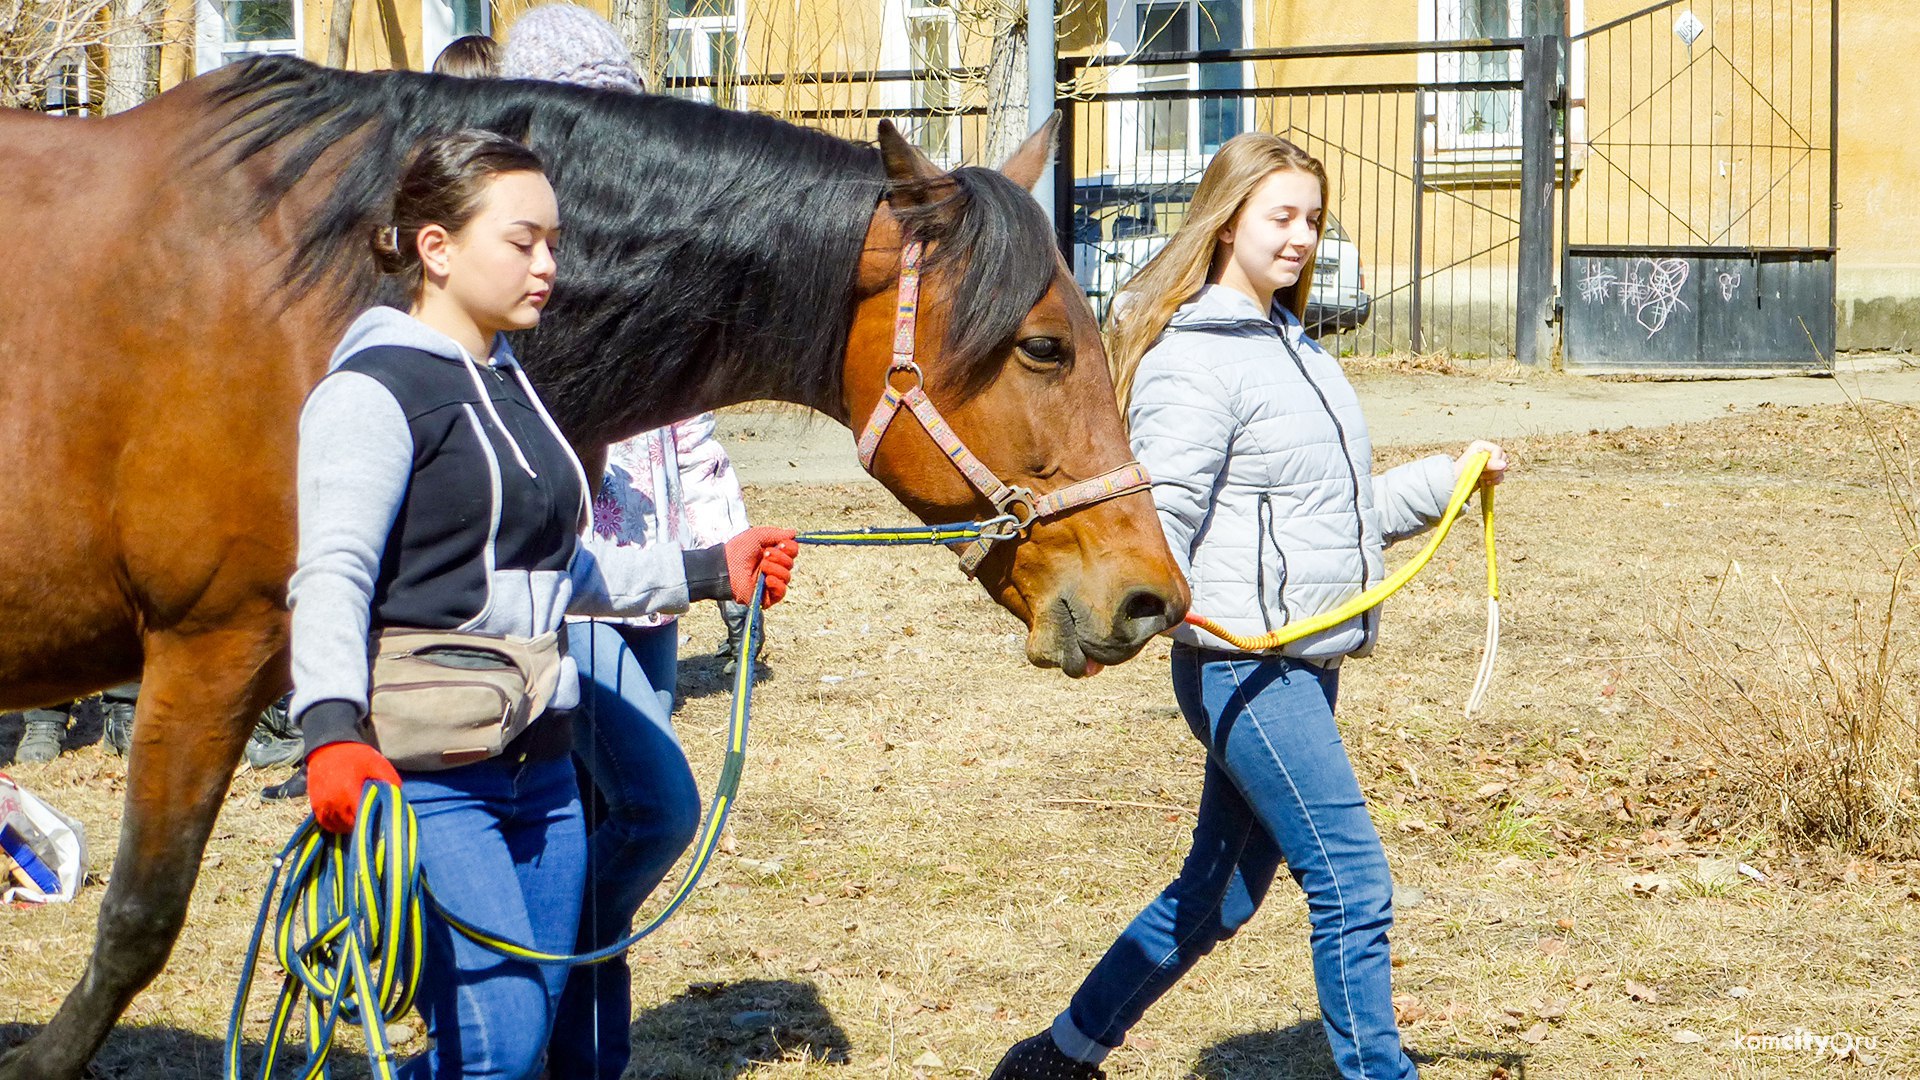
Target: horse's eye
(1044,349)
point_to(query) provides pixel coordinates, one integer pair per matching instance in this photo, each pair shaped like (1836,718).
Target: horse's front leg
(198,699)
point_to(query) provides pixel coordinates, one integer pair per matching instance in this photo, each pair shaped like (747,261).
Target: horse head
(1009,356)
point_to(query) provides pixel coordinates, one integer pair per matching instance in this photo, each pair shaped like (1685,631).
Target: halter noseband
(1018,506)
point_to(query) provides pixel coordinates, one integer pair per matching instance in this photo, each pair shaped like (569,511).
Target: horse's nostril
(1144,604)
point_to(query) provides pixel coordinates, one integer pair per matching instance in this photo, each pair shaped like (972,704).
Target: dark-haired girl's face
(499,269)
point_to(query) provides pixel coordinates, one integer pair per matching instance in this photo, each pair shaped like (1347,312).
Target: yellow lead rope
(1462,491)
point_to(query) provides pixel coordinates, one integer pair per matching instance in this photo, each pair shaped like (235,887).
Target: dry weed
(1810,716)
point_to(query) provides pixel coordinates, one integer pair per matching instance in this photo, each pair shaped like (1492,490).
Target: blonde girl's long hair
(1143,306)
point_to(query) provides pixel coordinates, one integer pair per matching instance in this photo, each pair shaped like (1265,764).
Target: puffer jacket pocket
(1270,566)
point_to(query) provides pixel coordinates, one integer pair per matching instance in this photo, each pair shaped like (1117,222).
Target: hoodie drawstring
(486,399)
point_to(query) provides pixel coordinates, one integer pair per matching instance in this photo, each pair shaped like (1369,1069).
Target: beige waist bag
(444,698)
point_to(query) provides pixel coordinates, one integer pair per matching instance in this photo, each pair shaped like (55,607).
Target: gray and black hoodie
(436,493)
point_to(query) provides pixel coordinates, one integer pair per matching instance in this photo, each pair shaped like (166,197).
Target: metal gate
(1699,209)
(1420,247)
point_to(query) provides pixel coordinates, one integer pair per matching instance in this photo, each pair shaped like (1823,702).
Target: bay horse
(189,265)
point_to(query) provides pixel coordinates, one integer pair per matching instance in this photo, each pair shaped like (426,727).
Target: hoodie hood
(390,326)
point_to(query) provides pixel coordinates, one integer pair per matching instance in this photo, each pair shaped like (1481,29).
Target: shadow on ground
(705,675)
(1300,1052)
(165,1053)
(710,1031)
(716,1031)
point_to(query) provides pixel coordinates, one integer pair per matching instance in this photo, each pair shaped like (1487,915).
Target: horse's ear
(1028,162)
(914,179)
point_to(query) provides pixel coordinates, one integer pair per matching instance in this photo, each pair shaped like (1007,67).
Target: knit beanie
(567,43)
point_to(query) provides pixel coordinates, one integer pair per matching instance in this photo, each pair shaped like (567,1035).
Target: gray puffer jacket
(1262,472)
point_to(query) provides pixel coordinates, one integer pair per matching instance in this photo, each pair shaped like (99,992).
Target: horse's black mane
(703,248)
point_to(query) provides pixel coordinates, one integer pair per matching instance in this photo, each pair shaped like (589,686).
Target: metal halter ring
(1022,498)
(910,367)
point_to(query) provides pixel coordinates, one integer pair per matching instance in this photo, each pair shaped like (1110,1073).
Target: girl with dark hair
(436,494)
(1262,473)
(671,485)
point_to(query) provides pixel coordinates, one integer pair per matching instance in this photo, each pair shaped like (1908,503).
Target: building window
(443,21)
(930,47)
(1470,119)
(228,30)
(1188,125)
(70,87)
(703,42)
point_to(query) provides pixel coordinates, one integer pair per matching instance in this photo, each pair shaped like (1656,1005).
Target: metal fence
(1654,192)
(1422,233)
(942,112)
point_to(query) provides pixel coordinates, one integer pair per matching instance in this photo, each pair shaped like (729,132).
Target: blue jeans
(623,734)
(1278,786)
(503,847)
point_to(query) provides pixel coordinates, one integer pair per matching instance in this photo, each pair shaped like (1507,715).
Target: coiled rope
(351,918)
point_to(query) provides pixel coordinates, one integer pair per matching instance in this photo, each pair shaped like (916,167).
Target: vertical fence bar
(1419,218)
(1533,300)
(1063,166)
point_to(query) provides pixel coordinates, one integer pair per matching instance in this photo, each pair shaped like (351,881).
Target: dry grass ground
(935,841)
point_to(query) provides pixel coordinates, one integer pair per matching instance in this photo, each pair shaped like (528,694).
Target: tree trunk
(1007,91)
(132,56)
(643,26)
(339,32)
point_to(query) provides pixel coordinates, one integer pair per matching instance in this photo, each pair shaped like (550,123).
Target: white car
(1338,301)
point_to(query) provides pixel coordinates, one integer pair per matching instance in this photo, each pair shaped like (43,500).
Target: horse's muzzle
(1068,634)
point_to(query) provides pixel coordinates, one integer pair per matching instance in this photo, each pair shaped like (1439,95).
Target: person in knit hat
(567,43)
(666,486)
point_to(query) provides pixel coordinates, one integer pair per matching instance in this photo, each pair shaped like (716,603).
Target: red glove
(761,550)
(335,774)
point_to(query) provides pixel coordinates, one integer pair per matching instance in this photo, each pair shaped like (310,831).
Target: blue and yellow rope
(350,929)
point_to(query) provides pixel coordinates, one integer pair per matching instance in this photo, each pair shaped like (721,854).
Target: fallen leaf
(929,1060)
(1687,1035)
(1534,1035)
(815,900)
(1407,1009)
(1638,992)
(1649,885)
(1738,992)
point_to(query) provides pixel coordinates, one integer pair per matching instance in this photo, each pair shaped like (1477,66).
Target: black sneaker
(45,734)
(293,787)
(117,727)
(274,740)
(1039,1058)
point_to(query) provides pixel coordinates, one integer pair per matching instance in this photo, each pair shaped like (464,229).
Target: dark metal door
(1698,206)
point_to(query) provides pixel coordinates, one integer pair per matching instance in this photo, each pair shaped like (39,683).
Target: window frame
(944,151)
(213,48)
(700,30)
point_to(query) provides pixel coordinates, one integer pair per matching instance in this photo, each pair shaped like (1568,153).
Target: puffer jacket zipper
(1353,474)
(1263,533)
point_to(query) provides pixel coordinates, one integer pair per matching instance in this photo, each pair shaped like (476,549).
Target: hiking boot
(1039,1058)
(735,616)
(293,787)
(46,731)
(116,728)
(274,740)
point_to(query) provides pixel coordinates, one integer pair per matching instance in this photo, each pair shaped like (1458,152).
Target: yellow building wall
(1879,272)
